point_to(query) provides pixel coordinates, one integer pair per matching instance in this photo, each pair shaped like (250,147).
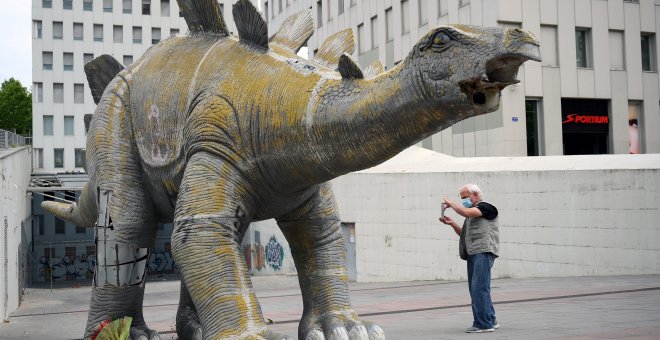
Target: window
(98,32)
(279,2)
(117,34)
(49,253)
(648,52)
(68,125)
(265,11)
(443,8)
(127,6)
(319,14)
(128,59)
(389,25)
(340,6)
(70,252)
(87,5)
(353,3)
(78,93)
(155,35)
(68,61)
(78,31)
(360,38)
(634,136)
(405,15)
(87,57)
(37,29)
(48,196)
(57,30)
(58,158)
(107,5)
(38,92)
(60,226)
(583,47)
(146,7)
(462,3)
(48,125)
(80,154)
(40,222)
(533,120)
(67,4)
(165,8)
(174,31)
(81,230)
(329,9)
(58,93)
(47,3)
(137,35)
(47,59)
(374,32)
(617,55)
(423,15)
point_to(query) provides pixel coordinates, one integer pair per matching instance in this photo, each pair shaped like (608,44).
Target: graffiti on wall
(274,253)
(259,256)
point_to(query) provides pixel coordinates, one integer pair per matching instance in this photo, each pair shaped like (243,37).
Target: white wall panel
(619,113)
(615,14)
(566,37)
(511,10)
(651,113)
(552,129)
(632,44)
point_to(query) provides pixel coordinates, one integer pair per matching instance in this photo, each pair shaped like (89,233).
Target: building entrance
(585,126)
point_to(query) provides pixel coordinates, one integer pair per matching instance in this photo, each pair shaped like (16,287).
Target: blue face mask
(466,202)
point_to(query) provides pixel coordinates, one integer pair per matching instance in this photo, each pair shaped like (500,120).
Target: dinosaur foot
(345,325)
(143,333)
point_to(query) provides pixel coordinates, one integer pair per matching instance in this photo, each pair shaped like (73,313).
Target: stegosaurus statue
(212,132)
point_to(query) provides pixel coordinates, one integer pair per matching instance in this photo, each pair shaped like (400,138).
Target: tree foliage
(15,107)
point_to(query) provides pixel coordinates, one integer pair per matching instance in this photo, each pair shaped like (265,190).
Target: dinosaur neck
(362,123)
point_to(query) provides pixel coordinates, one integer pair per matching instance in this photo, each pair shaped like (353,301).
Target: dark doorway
(585,143)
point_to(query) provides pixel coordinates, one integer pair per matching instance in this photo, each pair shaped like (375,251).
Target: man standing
(479,245)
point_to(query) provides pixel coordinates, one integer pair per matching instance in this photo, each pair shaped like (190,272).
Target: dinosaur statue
(211,132)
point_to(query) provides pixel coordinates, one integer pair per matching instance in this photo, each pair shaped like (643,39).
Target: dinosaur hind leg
(317,246)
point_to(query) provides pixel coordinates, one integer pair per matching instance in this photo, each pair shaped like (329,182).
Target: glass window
(361,39)
(47,59)
(462,3)
(107,5)
(47,3)
(88,5)
(38,92)
(443,8)
(280,5)
(58,158)
(78,93)
(146,7)
(58,93)
(374,32)
(67,4)
(117,34)
(389,24)
(68,61)
(328,9)
(583,47)
(48,125)
(532,119)
(127,6)
(405,17)
(648,52)
(38,157)
(155,35)
(60,225)
(68,125)
(57,30)
(137,35)
(353,3)
(319,14)
(423,14)
(78,31)
(37,29)
(128,59)
(98,32)
(80,154)
(174,31)
(340,6)
(165,8)
(87,57)
(634,140)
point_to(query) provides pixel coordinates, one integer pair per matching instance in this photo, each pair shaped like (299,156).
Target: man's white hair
(473,189)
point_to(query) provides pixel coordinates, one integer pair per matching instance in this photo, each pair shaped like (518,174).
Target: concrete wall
(266,250)
(15,228)
(559,216)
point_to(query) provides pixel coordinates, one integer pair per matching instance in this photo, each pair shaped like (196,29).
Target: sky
(16,41)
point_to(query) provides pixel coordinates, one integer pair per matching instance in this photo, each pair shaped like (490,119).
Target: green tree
(15,107)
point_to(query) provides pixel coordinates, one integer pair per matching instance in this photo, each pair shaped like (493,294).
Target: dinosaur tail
(83,214)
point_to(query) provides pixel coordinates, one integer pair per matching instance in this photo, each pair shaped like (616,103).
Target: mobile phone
(442,211)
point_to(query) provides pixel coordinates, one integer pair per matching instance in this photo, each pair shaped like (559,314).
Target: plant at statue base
(117,329)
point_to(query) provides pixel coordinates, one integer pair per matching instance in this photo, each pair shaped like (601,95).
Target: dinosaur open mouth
(500,73)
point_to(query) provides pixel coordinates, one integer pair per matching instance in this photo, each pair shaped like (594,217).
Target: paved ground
(618,307)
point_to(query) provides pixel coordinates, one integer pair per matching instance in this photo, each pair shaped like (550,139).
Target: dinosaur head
(466,67)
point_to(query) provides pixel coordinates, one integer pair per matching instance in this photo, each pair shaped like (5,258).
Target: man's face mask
(466,202)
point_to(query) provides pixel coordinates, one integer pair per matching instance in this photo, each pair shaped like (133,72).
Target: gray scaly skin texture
(212,133)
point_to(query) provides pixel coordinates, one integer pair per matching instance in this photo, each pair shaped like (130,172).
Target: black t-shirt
(488,211)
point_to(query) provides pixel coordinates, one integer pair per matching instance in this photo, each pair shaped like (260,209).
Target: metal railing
(10,140)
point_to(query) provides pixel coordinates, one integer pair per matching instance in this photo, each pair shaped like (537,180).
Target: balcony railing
(11,140)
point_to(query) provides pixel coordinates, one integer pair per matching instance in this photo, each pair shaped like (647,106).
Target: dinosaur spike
(251,26)
(334,46)
(203,16)
(374,69)
(295,31)
(100,72)
(349,68)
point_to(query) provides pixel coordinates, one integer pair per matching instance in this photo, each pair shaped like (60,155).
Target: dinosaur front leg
(317,245)
(212,207)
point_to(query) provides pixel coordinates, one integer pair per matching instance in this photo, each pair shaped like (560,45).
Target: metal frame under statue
(213,132)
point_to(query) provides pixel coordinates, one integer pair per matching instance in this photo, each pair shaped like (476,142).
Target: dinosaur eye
(441,38)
